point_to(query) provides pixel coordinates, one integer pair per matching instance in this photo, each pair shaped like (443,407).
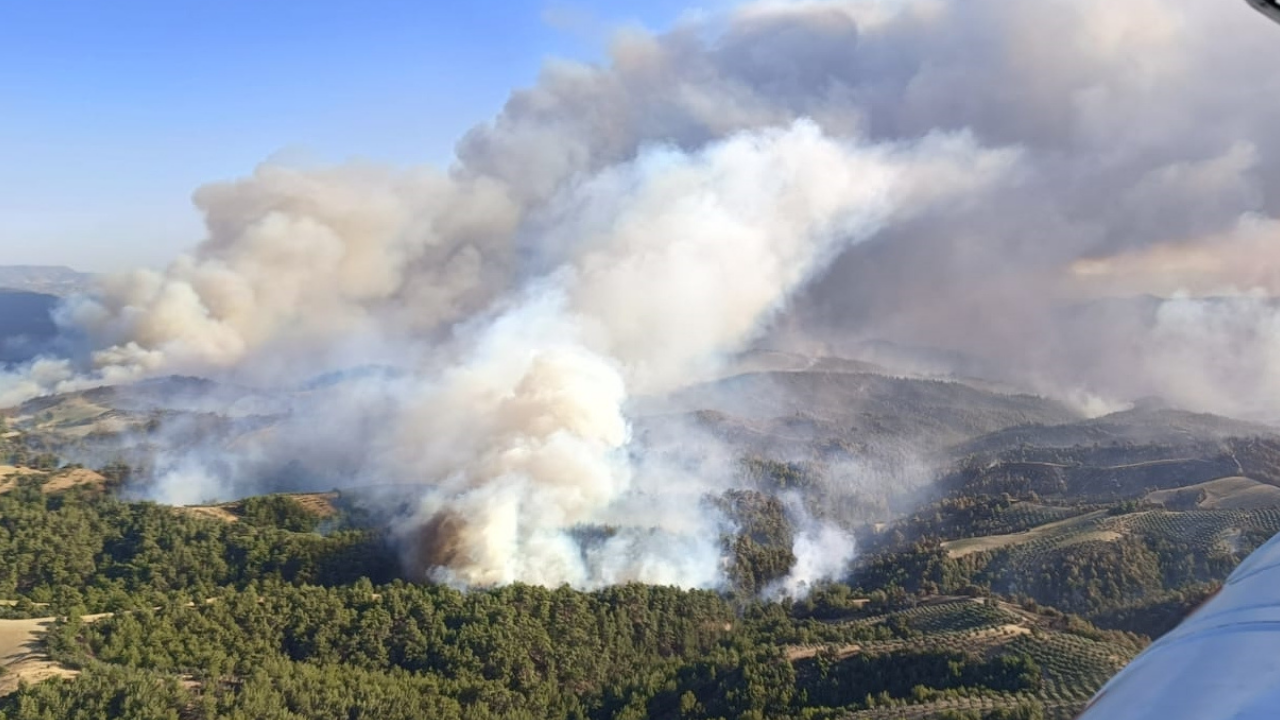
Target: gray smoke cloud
(1133,254)
(1078,194)
(677,260)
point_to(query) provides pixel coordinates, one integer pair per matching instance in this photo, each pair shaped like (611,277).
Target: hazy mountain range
(44,279)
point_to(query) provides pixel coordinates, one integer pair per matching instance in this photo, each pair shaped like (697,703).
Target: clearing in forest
(22,654)
(966,546)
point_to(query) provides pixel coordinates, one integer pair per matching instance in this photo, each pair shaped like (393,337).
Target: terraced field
(1203,527)
(1234,493)
(957,617)
(1081,528)
(1073,667)
(1206,528)
(1024,516)
(981,704)
(963,625)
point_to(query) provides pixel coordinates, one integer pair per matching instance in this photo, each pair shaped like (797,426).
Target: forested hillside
(990,602)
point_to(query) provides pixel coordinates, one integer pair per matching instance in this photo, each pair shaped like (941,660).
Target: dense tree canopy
(275,611)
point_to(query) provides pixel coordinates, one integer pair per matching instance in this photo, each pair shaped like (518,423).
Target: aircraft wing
(1270,8)
(1221,663)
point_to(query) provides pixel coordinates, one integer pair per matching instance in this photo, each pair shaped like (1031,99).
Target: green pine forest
(283,613)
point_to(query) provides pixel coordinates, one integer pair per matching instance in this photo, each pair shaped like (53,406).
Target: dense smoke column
(678,260)
(862,170)
(1142,147)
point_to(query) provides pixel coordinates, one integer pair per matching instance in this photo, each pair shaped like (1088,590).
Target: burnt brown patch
(439,541)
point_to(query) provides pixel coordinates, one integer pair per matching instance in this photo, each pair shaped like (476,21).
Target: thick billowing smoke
(1135,254)
(676,260)
(1007,181)
(643,276)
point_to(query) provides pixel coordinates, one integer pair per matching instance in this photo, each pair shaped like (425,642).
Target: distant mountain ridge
(44,279)
(28,296)
(1138,426)
(803,412)
(26,324)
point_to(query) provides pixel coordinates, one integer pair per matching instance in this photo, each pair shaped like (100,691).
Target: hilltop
(832,408)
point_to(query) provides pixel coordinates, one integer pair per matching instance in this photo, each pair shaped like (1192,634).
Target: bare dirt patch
(9,475)
(804,652)
(22,654)
(319,504)
(56,482)
(76,477)
(1006,631)
(221,513)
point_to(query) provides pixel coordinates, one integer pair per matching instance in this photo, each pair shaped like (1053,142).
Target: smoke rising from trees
(996,179)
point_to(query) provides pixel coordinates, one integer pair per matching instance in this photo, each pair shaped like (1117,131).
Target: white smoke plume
(822,551)
(649,273)
(945,173)
(678,259)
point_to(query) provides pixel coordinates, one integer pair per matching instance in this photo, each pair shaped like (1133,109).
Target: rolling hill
(834,408)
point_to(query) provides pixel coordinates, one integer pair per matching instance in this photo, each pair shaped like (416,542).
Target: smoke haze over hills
(979,177)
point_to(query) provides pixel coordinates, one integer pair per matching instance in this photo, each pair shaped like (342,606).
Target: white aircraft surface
(1270,8)
(1221,663)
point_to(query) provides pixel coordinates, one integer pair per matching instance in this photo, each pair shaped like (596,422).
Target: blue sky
(113,111)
